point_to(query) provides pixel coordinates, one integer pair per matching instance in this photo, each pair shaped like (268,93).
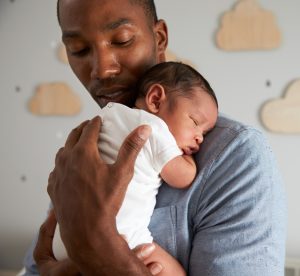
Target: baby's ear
(156,95)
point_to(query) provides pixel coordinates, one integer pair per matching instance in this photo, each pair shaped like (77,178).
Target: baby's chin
(187,151)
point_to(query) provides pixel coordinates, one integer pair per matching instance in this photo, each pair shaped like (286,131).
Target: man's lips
(103,96)
(100,91)
(115,89)
(110,95)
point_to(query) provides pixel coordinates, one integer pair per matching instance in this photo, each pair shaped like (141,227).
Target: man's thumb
(43,250)
(132,146)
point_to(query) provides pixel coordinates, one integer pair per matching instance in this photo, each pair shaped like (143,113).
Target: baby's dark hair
(147,5)
(176,77)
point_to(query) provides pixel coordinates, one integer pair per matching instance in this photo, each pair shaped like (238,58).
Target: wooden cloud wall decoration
(54,99)
(283,115)
(62,54)
(171,56)
(248,27)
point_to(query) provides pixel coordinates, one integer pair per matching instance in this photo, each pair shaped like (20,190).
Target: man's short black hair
(149,9)
(147,5)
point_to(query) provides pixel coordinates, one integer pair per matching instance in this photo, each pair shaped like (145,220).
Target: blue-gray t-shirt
(232,220)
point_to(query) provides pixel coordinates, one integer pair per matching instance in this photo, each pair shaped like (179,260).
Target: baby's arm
(180,171)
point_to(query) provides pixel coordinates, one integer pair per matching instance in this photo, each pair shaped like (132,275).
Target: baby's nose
(199,139)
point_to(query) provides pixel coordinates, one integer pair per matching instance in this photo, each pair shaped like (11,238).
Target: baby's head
(180,96)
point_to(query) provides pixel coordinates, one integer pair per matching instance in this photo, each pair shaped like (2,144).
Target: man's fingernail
(95,118)
(155,268)
(144,132)
(146,251)
(124,238)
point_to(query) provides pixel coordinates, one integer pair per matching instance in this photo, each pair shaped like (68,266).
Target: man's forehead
(82,8)
(96,3)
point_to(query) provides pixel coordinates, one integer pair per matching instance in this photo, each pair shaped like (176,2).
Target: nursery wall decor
(54,99)
(62,54)
(248,27)
(171,56)
(283,115)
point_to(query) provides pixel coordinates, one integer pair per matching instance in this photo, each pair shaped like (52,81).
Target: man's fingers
(43,250)
(74,135)
(131,147)
(51,183)
(58,154)
(90,132)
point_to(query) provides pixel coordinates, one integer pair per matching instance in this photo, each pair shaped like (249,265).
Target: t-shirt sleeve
(163,144)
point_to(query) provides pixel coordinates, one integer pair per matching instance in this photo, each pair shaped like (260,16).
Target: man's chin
(103,101)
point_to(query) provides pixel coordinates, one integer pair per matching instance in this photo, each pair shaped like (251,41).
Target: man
(230,222)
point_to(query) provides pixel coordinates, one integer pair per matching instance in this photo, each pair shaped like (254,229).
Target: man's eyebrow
(108,27)
(116,24)
(69,34)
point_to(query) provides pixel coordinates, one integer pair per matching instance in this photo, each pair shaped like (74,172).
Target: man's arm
(48,265)
(239,224)
(44,255)
(180,171)
(81,181)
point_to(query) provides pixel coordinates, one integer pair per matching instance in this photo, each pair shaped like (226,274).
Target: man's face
(110,43)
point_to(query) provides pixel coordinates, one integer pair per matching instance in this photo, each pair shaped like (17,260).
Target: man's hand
(87,194)
(43,254)
(48,265)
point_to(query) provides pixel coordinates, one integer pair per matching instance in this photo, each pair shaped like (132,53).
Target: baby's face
(190,119)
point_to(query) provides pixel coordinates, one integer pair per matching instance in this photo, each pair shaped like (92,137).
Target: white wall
(28,35)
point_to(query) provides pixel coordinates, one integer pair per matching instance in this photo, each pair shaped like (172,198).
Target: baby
(181,107)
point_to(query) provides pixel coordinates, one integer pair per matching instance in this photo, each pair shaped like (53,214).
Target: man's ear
(155,97)
(161,32)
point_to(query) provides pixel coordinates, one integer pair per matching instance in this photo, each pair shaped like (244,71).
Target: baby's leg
(171,267)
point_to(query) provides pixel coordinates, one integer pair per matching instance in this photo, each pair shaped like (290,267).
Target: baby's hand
(144,252)
(158,261)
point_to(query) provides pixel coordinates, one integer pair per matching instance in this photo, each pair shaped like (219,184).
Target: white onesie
(134,216)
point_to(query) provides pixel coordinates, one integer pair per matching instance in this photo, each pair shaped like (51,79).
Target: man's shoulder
(231,138)
(231,126)
(227,135)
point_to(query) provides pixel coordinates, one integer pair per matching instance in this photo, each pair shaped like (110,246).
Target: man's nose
(104,63)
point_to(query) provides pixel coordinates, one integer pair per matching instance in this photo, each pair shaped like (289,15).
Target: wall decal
(62,54)
(268,83)
(54,99)
(248,27)
(283,115)
(171,56)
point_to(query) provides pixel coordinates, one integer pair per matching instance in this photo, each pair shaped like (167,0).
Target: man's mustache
(101,86)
